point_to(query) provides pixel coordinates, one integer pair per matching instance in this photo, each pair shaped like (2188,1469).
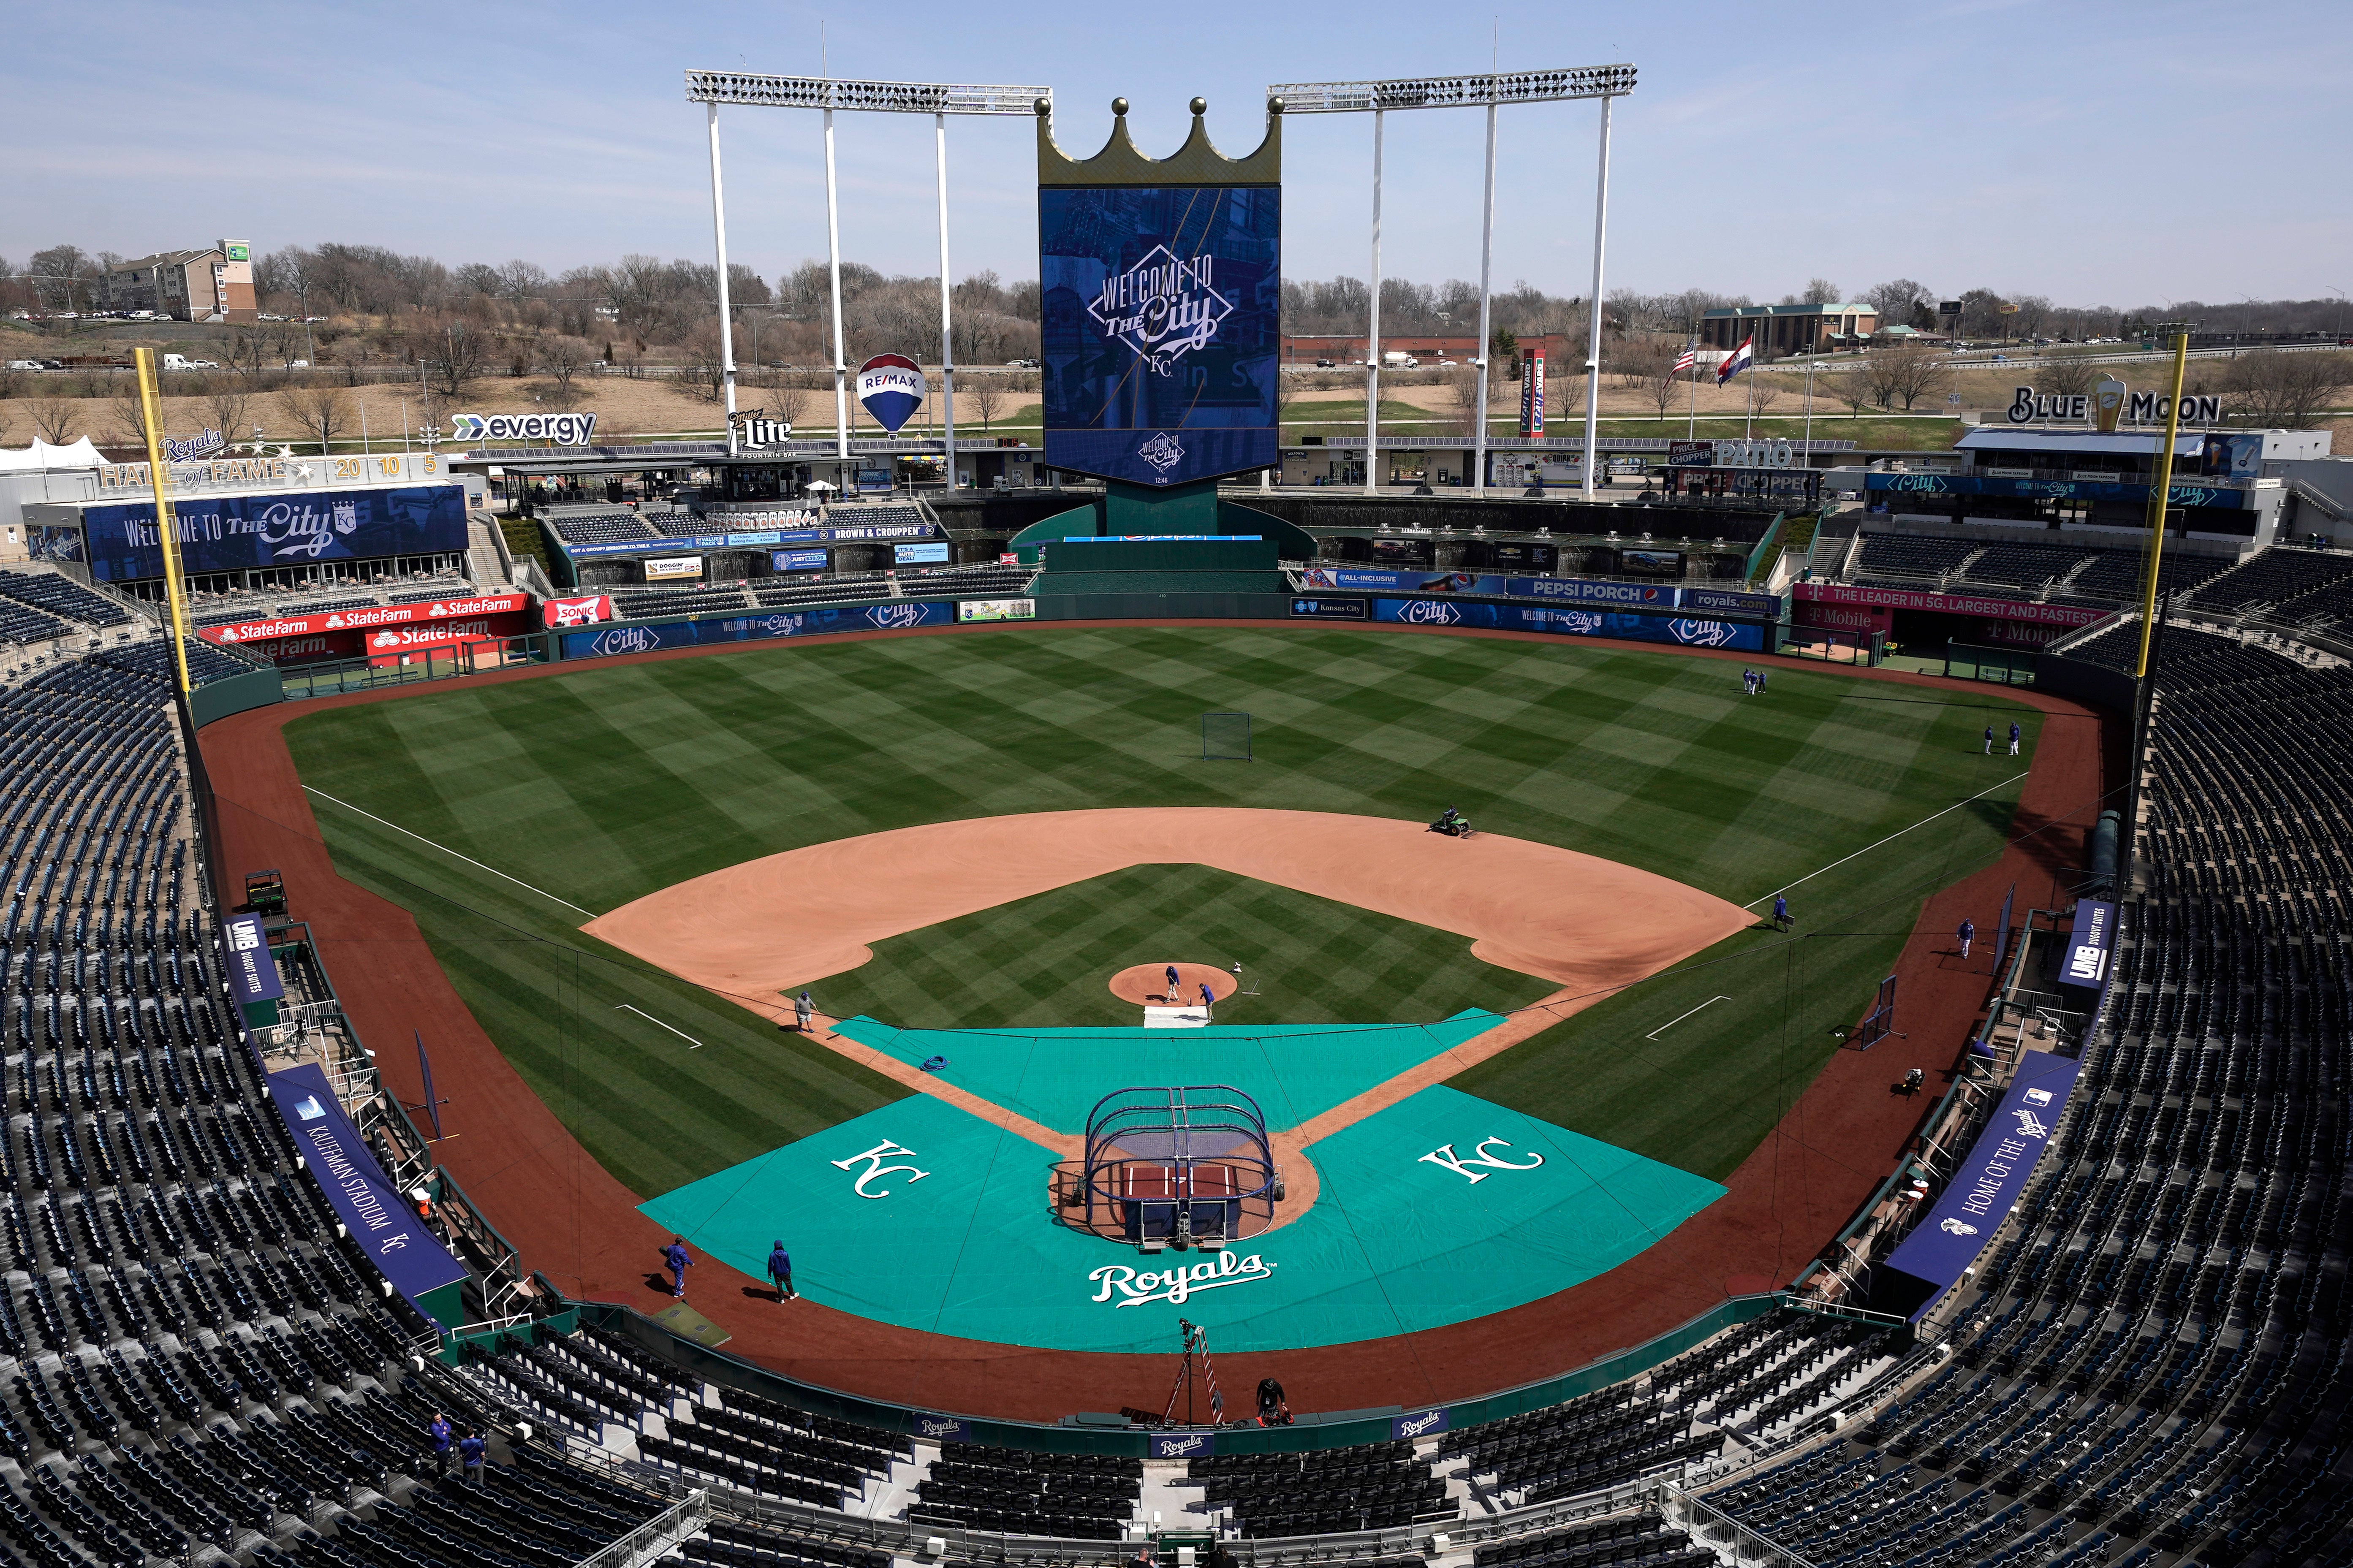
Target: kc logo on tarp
(1444,1155)
(874,1159)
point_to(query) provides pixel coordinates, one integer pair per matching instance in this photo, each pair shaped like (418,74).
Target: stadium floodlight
(1489,91)
(1454,92)
(937,98)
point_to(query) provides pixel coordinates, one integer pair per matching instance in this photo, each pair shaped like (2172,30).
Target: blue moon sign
(891,388)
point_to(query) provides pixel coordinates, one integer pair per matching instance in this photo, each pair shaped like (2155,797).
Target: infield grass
(605,783)
(1046,961)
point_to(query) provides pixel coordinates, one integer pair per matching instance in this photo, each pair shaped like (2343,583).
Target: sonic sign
(1161,314)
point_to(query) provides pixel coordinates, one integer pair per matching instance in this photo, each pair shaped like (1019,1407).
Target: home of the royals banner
(1162,283)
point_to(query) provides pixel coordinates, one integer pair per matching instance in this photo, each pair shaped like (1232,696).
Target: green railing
(2003,666)
(336,676)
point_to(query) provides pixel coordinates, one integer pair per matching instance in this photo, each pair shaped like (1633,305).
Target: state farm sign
(363,617)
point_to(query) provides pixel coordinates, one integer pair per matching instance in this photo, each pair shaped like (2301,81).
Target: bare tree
(1911,373)
(130,420)
(2067,375)
(225,404)
(789,401)
(561,360)
(55,418)
(2275,390)
(319,410)
(988,395)
(1462,398)
(1763,393)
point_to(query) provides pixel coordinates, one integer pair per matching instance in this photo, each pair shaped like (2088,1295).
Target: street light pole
(1373,331)
(833,264)
(947,324)
(1593,338)
(726,316)
(1486,260)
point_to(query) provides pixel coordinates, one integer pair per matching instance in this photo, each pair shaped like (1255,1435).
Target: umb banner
(252,973)
(1161,329)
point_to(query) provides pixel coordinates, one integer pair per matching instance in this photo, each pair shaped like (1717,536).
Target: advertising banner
(2056,490)
(1183,1445)
(2087,949)
(674,566)
(547,429)
(1688,631)
(1532,391)
(1717,601)
(1985,1185)
(1413,1428)
(997,610)
(846,533)
(391,642)
(899,616)
(1948,604)
(1728,602)
(372,1209)
(891,387)
(1331,609)
(587,610)
(361,617)
(1403,582)
(242,533)
(1861,619)
(919,554)
(1577,591)
(1691,454)
(943,1428)
(252,973)
(797,560)
(1161,329)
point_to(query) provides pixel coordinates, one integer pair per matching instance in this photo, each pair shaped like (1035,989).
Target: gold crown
(1195,164)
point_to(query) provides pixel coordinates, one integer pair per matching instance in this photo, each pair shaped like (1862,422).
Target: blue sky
(2096,152)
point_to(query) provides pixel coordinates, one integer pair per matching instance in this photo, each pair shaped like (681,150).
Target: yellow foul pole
(2159,495)
(151,415)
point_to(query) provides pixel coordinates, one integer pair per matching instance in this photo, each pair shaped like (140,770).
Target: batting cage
(1172,1167)
(1225,737)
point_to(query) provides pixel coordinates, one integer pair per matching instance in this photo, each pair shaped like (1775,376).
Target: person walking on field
(2013,738)
(1968,933)
(675,1260)
(804,1012)
(1760,683)
(1989,751)
(1170,996)
(780,1269)
(1780,912)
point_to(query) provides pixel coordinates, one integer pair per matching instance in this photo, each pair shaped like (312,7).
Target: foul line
(1889,840)
(445,849)
(657,1022)
(1680,1017)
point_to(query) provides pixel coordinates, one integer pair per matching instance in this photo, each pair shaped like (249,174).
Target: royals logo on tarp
(891,387)
(943,1429)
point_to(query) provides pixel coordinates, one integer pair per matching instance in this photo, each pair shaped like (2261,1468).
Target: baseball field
(506,816)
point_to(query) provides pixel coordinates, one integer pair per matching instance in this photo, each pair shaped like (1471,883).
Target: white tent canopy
(41,457)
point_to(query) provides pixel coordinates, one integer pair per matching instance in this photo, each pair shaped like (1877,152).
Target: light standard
(2339,292)
(2243,316)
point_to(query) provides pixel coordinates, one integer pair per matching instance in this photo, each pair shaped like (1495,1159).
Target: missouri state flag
(1734,362)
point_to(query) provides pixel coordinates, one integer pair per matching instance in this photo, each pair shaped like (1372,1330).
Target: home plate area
(1440,1208)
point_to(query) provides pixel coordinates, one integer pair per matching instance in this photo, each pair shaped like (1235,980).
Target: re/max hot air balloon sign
(891,387)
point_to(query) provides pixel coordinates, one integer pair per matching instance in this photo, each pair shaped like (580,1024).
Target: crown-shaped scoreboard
(1162,283)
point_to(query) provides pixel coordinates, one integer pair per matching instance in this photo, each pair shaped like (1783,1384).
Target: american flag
(1690,358)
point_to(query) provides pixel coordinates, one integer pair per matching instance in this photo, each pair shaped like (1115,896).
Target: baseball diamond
(955,841)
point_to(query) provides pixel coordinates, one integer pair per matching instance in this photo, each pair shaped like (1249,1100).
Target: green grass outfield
(1044,962)
(605,784)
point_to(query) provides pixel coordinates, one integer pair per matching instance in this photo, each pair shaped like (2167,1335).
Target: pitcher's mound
(1149,983)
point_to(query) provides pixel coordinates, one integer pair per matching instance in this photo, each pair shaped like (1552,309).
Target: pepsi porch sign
(891,388)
